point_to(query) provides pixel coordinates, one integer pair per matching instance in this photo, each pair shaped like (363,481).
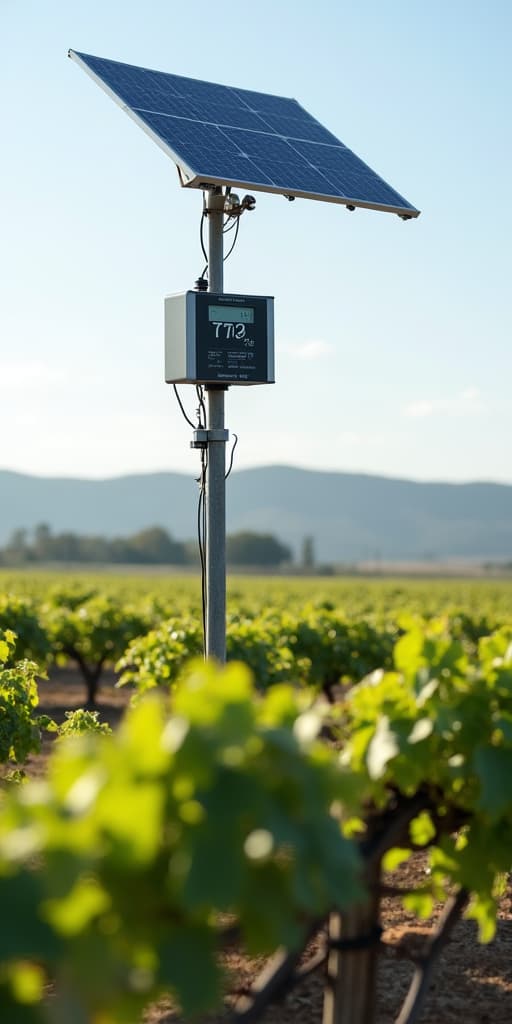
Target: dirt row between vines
(472,983)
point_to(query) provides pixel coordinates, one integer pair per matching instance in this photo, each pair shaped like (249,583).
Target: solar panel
(218,135)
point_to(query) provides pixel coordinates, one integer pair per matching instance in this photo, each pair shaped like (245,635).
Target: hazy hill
(350,516)
(117,506)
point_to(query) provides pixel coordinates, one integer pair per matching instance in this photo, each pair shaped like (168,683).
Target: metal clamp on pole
(202,438)
(218,435)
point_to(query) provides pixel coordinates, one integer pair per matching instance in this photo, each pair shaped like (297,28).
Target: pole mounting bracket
(202,437)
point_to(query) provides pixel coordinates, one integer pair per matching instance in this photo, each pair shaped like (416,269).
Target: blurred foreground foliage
(368,721)
(114,871)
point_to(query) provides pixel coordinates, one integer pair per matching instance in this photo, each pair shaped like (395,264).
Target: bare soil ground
(472,983)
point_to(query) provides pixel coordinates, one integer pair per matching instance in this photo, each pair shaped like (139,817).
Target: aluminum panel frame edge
(191,175)
(191,335)
(271,373)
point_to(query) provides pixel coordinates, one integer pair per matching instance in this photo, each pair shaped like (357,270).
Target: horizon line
(263,467)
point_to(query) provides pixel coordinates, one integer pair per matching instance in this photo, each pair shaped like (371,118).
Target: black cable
(180,403)
(201,412)
(235,442)
(202,539)
(226,229)
(201,505)
(201,236)
(201,558)
(205,546)
(228,254)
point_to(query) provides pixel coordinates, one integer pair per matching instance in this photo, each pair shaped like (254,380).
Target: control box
(213,338)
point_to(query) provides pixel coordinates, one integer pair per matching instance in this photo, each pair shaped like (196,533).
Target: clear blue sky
(393,340)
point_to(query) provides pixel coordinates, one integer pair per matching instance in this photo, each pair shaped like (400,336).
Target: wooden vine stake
(350,991)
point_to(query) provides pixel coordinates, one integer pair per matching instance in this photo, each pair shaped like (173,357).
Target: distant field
(356,596)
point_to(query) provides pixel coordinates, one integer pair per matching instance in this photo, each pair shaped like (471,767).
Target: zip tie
(358,942)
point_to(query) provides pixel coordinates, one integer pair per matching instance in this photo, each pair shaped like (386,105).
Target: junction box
(213,338)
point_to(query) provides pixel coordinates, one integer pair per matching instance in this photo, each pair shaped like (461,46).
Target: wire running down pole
(216,467)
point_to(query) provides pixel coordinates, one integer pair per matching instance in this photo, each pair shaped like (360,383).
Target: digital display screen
(231,314)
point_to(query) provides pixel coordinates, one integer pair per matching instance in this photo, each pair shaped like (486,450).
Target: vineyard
(239,836)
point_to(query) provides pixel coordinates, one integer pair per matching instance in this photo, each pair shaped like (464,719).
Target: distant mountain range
(351,517)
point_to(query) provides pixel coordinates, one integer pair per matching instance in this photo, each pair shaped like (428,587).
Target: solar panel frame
(279,111)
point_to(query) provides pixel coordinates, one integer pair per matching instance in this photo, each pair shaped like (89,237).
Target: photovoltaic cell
(223,136)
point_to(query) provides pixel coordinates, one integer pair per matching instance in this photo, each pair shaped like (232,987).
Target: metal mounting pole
(216,468)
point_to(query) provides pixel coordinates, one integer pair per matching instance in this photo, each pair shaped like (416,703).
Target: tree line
(151,546)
